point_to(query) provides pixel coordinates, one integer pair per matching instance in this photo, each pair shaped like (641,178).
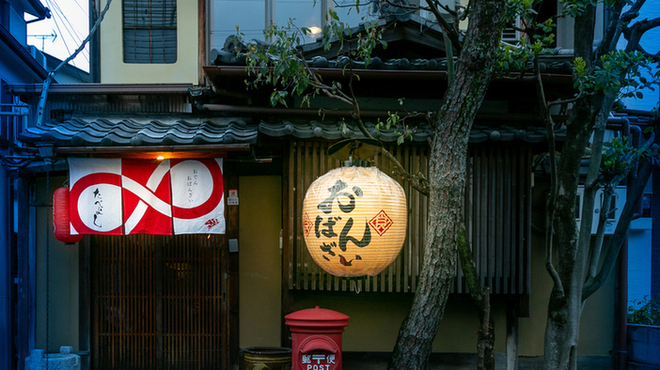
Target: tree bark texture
(571,248)
(447,183)
(481,298)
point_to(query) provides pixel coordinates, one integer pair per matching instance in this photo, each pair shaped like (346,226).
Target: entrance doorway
(158,302)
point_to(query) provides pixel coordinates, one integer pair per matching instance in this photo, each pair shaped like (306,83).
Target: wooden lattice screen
(157,302)
(498,210)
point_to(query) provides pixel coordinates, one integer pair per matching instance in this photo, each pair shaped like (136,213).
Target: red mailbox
(316,338)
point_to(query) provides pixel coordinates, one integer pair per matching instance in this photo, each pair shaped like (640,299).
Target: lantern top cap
(355,149)
(354,163)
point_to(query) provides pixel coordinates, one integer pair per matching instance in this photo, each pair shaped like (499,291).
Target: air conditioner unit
(37,55)
(616,207)
(511,33)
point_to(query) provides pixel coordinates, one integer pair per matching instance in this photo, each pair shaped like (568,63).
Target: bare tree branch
(447,29)
(550,203)
(616,240)
(634,33)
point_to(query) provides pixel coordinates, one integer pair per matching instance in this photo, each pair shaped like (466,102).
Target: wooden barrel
(265,358)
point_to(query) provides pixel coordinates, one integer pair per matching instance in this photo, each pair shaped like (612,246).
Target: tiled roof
(131,132)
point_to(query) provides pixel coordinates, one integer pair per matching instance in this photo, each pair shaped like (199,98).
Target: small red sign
(381,222)
(307,224)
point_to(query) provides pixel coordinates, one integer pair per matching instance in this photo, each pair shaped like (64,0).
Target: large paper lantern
(354,221)
(61,217)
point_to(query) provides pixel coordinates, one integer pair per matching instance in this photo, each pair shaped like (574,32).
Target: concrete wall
(260,261)
(62,280)
(639,261)
(185,70)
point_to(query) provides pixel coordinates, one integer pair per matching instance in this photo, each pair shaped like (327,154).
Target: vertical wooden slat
(290,214)
(508,240)
(491,193)
(287,242)
(527,221)
(499,220)
(158,284)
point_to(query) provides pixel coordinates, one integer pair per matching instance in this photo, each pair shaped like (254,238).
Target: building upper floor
(15,14)
(170,41)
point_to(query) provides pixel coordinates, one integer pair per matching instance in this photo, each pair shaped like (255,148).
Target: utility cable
(44,90)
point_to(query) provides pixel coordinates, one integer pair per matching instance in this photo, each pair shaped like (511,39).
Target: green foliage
(575,8)
(619,157)
(280,64)
(618,71)
(645,311)
(537,40)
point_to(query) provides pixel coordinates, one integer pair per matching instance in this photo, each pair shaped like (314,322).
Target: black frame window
(150,34)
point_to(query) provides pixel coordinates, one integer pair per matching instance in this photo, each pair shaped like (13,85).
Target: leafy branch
(282,66)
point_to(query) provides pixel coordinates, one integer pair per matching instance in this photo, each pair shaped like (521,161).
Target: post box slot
(318,344)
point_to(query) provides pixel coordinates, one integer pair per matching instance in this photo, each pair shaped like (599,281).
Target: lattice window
(497,207)
(150,31)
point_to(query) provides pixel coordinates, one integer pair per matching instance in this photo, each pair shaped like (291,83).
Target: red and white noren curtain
(133,196)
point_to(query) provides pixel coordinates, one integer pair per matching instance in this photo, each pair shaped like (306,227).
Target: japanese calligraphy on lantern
(354,221)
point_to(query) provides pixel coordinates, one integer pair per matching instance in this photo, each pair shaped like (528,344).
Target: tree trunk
(561,333)
(486,336)
(447,185)
(481,298)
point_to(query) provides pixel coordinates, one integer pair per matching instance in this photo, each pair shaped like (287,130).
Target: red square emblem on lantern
(381,222)
(307,224)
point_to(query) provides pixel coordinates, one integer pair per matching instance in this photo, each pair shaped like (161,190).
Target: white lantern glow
(354,221)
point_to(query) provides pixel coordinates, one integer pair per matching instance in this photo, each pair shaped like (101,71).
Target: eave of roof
(22,53)
(102,136)
(101,89)
(215,72)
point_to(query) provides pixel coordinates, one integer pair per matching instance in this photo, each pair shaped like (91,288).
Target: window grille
(150,32)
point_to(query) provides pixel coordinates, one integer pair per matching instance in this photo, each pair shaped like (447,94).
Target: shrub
(645,311)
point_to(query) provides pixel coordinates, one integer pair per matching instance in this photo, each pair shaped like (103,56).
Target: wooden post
(512,336)
(84,301)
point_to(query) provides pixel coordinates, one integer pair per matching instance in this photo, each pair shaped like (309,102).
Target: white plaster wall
(185,70)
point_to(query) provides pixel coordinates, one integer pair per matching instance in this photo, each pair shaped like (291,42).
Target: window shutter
(150,33)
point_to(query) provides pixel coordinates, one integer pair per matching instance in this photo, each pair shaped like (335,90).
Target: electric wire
(71,31)
(53,5)
(60,17)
